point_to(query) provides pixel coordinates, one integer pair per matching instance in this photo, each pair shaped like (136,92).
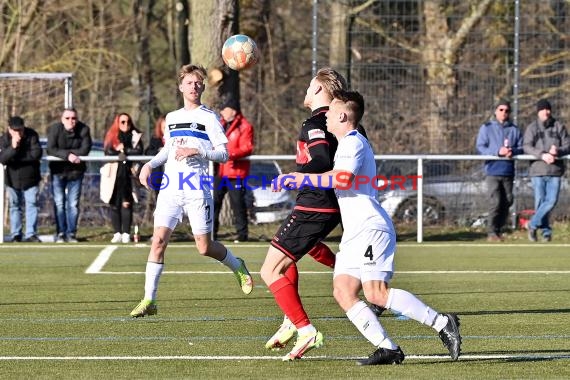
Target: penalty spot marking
(183,357)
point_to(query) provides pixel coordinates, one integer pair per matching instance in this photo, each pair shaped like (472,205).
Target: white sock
(230,261)
(309,329)
(440,322)
(369,326)
(152,277)
(405,303)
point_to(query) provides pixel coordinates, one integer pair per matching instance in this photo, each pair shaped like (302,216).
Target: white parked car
(268,206)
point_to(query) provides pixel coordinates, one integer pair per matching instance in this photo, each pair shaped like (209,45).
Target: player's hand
(286,181)
(182,153)
(144,175)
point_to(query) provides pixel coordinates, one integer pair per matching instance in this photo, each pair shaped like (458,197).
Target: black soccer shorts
(302,230)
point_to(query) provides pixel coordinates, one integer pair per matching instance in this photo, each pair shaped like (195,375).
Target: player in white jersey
(366,258)
(193,137)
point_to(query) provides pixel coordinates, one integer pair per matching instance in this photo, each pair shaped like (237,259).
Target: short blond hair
(198,70)
(331,80)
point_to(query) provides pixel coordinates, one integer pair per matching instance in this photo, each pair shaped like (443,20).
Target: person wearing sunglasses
(68,139)
(499,137)
(122,139)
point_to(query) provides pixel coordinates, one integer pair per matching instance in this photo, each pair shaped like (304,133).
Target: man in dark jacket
(69,139)
(20,151)
(546,139)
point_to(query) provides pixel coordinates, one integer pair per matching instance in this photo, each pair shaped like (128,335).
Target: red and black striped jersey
(316,148)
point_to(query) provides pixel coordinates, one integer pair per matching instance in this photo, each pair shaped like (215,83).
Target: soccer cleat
(384,356)
(245,280)
(145,307)
(125,238)
(450,336)
(304,344)
(376,309)
(280,339)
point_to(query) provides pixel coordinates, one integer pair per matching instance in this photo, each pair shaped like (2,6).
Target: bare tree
(147,106)
(211,23)
(440,53)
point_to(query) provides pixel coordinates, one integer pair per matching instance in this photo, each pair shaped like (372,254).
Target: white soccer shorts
(369,256)
(171,208)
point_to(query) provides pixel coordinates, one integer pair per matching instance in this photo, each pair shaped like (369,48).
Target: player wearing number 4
(193,137)
(368,245)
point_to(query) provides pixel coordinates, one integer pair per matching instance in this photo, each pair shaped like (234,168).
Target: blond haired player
(193,137)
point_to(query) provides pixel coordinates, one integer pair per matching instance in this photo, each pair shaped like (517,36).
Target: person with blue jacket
(499,137)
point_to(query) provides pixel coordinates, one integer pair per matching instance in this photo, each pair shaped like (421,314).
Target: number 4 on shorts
(369,253)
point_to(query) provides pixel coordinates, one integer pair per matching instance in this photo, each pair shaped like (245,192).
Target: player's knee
(203,247)
(377,296)
(343,297)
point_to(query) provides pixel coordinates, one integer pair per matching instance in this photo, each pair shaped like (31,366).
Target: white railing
(418,158)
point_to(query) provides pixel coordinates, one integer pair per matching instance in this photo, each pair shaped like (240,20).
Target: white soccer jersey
(197,128)
(359,206)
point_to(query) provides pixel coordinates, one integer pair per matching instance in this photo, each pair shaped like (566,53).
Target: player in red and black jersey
(314,216)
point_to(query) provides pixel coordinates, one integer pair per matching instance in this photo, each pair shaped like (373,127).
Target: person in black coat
(20,152)
(122,139)
(68,139)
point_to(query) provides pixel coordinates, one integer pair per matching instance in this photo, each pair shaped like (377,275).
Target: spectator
(154,146)
(499,137)
(68,139)
(20,151)
(546,139)
(231,175)
(122,139)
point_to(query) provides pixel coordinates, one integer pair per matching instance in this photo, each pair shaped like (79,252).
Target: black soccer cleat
(378,310)
(384,356)
(450,336)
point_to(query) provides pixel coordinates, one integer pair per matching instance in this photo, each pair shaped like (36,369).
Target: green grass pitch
(64,313)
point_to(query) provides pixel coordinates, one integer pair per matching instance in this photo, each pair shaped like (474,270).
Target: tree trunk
(439,56)
(212,22)
(146,103)
(338,53)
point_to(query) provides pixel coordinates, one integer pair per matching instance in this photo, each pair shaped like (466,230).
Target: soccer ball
(240,52)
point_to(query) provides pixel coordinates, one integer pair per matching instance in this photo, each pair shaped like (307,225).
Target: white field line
(398,272)
(101,259)
(13,247)
(184,357)
(105,254)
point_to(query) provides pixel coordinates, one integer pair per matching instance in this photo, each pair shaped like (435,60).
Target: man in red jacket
(231,175)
